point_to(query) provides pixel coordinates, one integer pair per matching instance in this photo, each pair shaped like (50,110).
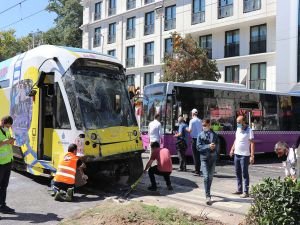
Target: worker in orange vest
(64,180)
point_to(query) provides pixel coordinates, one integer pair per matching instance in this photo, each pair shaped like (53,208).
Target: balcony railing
(131,4)
(130,34)
(111,39)
(232,49)
(149,29)
(111,11)
(170,24)
(148,1)
(97,16)
(148,59)
(198,17)
(130,62)
(259,46)
(225,11)
(258,84)
(251,5)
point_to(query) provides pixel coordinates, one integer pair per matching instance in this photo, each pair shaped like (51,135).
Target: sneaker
(152,188)
(170,188)
(208,201)
(6,210)
(237,193)
(59,196)
(69,194)
(244,195)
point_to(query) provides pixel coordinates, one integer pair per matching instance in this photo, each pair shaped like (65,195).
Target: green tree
(69,19)
(188,62)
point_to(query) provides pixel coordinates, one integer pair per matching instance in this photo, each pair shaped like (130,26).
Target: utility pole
(37,34)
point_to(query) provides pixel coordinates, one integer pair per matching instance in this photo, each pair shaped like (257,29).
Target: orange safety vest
(67,169)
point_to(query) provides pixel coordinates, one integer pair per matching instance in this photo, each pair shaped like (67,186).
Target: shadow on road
(32,217)
(225,199)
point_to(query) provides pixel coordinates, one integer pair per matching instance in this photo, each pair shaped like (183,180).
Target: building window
(112,7)
(148,1)
(148,78)
(258,76)
(97,37)
(131,4)
(149,53)
(149,23)
(232,43)
(198,13)
(205,42)
(168,46)
(130,56)
(225,8)
(111,33)
(130,29)
(251,5)
(98,9)
(232,74)
(130,80)
(258,39)
(170,17)
(112,52)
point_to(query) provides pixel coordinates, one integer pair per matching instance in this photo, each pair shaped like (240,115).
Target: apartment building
(254,42)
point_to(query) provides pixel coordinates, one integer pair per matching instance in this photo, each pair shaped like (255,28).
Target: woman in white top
(288,157)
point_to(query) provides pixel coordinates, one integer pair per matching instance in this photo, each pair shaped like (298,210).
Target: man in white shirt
(154,130)
(195,127)
(288,157)
(243,151)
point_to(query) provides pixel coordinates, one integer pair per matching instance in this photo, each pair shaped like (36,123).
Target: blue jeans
(241,164)
(208,164)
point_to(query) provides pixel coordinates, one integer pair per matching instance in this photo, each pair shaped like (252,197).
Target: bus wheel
(135,168)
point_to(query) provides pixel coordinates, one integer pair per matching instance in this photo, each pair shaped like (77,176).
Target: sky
(15,18)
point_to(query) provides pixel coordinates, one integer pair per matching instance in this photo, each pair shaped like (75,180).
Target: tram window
(4,83)
(61,115)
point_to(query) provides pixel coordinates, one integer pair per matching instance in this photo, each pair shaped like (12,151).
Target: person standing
(163,167)
(207,145)
(181,143)
(154,130)
(243,151)
(195,127)
(6,157)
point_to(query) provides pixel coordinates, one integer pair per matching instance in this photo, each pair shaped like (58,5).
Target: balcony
(131,4)
(232,49)
(130,62)
(149,29)
(251,5)
(170,24)
(97,16)
(148,1)
(111,11)
(258,84)
(148,59)
(225,11)
(198,17)
(259,46)
(111,39)
(130,33)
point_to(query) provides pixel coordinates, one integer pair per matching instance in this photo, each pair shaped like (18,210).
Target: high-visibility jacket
(66,170)
(6,152)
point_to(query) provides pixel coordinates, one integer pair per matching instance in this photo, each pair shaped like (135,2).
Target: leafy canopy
(188,62)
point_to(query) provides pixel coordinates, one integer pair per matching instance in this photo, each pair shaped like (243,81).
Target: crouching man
(69,169)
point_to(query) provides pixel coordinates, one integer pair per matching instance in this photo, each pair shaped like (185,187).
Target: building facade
(254,42)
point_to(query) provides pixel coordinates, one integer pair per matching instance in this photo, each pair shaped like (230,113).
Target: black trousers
(196,155)
(181,156)
(154,170)
(5,170)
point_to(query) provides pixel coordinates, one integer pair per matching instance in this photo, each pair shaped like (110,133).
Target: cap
(195,111)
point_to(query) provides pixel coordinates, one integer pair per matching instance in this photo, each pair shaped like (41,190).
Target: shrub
(276,202)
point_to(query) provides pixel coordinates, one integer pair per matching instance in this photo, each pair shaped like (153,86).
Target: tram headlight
(135,133)
(93,136)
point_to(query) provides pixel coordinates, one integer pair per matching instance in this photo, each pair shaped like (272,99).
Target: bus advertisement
(272,116)
(60,95)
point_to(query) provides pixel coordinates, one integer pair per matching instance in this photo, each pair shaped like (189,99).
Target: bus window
(270,112)
(61,115)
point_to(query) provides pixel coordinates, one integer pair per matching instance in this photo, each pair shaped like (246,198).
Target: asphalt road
(29,195)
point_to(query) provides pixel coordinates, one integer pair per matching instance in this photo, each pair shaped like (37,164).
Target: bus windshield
(98,96)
